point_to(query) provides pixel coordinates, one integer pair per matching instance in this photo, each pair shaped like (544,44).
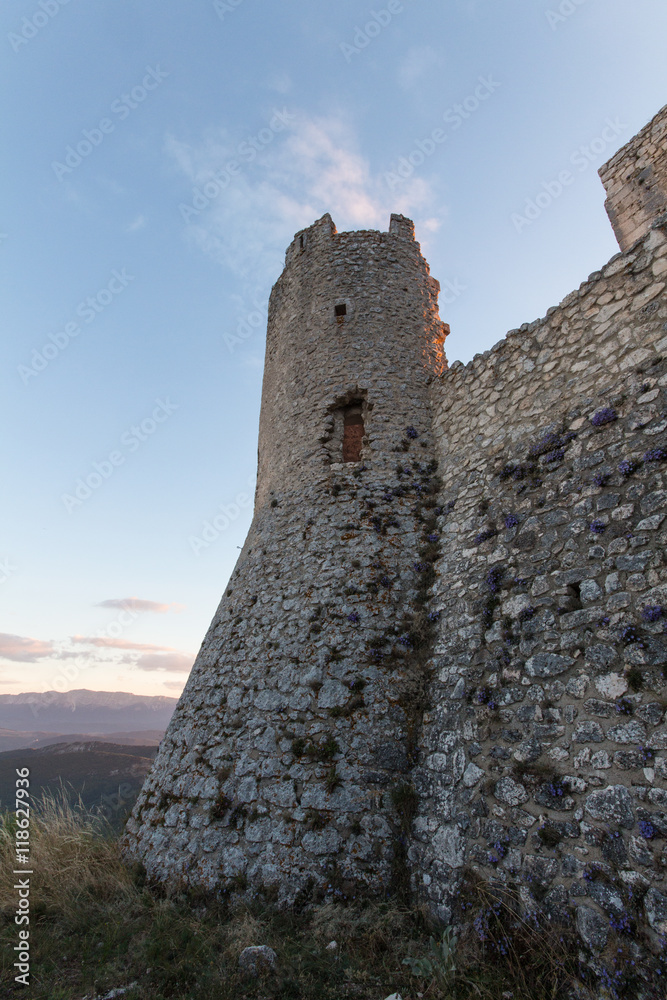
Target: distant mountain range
(104,777)
(83,713)
(11,739)
(96,745)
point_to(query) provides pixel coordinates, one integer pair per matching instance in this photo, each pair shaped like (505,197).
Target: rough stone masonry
(444,646)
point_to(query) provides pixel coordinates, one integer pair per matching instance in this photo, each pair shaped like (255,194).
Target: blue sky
(135,307)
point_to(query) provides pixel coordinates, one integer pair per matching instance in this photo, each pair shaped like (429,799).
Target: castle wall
(544,748)
(635,180)
(288,750)
(451,653)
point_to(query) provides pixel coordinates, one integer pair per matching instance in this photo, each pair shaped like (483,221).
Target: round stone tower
(286,765)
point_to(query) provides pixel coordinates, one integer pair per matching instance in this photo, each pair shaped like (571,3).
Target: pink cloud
(136,604)
(16,647)
(177,663)
(142,647)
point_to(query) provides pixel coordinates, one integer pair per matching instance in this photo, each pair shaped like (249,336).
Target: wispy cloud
(104,643)
(174,685)
(418,62)
(280,82)
(23,650)
(136,604)
(175,663)
(314,167)
(136,224)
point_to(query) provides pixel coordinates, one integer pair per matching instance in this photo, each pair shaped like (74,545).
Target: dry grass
(74,856)
(96,926)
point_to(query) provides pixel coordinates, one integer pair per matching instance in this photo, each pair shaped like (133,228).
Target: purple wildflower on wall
(485,535)
(353,617)
(601,478)
(652,613)
(628,466)
(656,455)
(485,697)
(511,521)
(434,616)
(432,538)
(621,923)
(605,416)
(629,634)
(598,527)
(411,433)
(646,828)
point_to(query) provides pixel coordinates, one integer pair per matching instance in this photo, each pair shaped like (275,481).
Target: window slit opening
(353,433)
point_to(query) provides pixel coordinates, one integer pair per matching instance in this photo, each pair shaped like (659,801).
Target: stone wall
(449,656)
(544,749)
(635,180)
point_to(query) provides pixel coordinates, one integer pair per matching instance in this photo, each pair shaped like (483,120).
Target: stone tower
(285,764)
(635,180)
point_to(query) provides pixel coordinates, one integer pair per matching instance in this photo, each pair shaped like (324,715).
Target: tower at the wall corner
(635,180)
(444,645)
(286,762)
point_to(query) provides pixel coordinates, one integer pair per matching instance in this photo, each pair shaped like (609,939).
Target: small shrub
(316,820)
(440,960)
(325,751)
(220,806)
(549,835)
(635,679)
(332,780)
